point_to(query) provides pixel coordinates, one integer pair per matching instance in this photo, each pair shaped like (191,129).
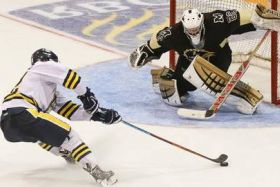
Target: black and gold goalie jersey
(218,26)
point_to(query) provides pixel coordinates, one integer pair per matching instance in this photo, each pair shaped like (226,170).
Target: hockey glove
(107,116)
(141,56)
(89,101)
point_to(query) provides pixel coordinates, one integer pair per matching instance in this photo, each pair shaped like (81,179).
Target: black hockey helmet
(43,55)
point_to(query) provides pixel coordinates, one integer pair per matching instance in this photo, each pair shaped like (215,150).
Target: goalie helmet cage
(266,57)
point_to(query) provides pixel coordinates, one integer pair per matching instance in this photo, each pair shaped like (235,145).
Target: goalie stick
(221,159)
(211,112)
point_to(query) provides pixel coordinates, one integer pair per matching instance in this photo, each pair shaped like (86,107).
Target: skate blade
(109,182)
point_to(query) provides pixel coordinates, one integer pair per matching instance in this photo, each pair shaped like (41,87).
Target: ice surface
(252,143)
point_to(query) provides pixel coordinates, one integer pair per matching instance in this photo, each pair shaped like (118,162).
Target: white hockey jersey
(38,89)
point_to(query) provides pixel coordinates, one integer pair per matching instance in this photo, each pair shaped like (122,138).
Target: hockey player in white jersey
(26,118)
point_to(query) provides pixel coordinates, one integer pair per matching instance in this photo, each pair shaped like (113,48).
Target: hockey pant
(30,125)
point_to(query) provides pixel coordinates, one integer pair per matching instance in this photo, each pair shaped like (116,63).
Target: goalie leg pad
(266,18)
(157,74)
(162,80)
(155,79)
(166,86)
(242,105)
(169,92)
(212,80)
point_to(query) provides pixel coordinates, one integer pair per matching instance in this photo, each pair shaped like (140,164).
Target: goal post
(274,61)
(241,45)
(173,20)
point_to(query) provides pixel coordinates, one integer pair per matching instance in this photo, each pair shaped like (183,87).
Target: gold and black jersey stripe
(68,109)
(80,152)
(15,89)
(46,146)
(14,94)
(17,95)
(72,80)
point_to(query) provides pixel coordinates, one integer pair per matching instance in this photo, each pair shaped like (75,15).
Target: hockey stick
(221,159)
(211,112)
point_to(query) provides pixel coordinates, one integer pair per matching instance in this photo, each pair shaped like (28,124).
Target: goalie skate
(105,178)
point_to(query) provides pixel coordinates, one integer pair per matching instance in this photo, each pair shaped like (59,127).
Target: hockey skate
(105,178)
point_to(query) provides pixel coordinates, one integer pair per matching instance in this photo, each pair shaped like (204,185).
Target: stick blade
(195,114)
(222,158)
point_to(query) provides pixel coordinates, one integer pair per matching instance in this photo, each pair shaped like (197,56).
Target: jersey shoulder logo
(231,15)
(218,18)
(163,34)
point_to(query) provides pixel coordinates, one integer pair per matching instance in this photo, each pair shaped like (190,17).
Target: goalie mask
(193,24)
(43,55)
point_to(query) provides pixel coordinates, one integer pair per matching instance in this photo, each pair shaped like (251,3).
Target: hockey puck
(224,164)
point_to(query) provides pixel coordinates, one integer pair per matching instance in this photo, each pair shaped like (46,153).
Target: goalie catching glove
(141,56)
(107,116)
(266,18)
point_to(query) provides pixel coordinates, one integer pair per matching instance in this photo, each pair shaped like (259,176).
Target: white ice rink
(137,159)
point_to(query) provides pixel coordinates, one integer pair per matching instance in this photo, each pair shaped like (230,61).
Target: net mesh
(241,45)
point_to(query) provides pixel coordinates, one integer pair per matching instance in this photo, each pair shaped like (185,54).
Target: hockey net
(241,45)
